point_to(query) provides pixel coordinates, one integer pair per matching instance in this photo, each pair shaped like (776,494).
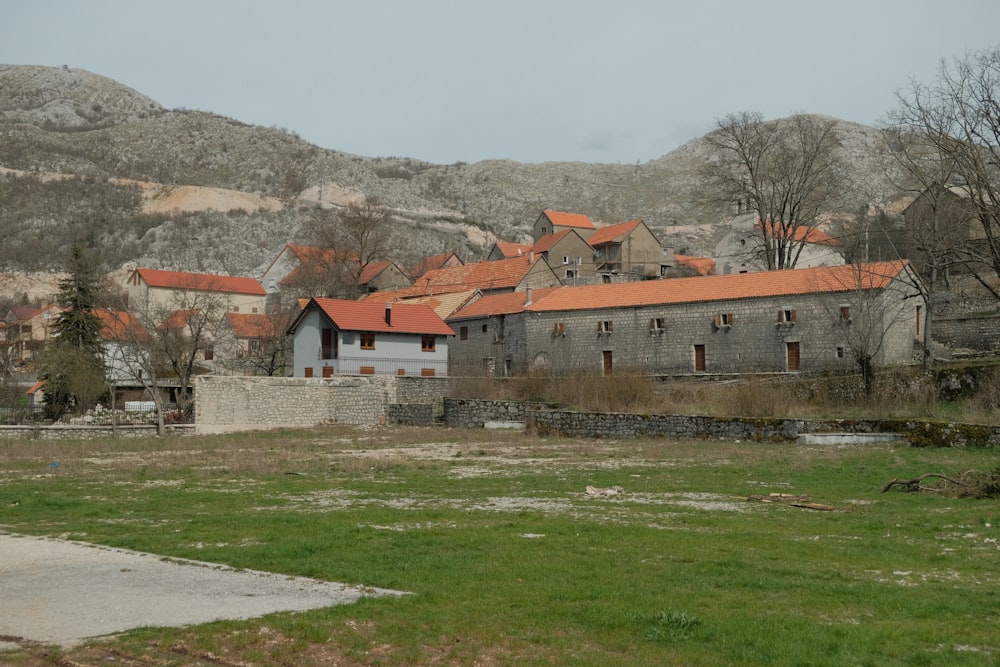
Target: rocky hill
(86,159)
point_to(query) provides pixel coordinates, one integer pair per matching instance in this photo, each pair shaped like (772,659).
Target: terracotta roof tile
(253,325)
(200,281)
(508,249)
(827,279)
(443,304)
(502,304)
(705,266)
(613,232)
(370,270)
(495,275)
(119,325)
(369,315)
(543,244)
(577,220)
(803,234)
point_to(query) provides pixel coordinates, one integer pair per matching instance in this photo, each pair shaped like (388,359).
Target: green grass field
(510,561)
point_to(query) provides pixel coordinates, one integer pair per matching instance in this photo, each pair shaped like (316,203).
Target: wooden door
(792,355)
(607,362)
(699,358)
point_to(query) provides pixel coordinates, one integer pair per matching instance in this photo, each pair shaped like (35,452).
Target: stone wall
(412,414)
(978,332)
(545,420)
(231,403)
(81,432)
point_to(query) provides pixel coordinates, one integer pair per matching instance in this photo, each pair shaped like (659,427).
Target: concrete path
(61,592)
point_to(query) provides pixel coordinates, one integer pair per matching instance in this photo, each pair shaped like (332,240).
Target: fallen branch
(804,502)
(915,483)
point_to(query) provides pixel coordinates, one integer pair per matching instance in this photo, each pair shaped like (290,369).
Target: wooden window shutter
(794,316)
(730,319)
(718,320)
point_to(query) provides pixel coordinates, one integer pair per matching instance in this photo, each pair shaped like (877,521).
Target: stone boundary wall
(225,404)
(545,420)
(473,413)
(412,414)
(79,432)
(974,332)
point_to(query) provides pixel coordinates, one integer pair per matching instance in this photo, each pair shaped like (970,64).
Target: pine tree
(72,365)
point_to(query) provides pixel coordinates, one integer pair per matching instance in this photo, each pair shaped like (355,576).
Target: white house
(339,337)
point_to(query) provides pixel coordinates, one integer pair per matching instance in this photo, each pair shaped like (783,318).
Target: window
(427,372)
(485,329)
(723,320)
(845,314)
(308,372)
(236,309)
(427,342)
(463,333)
(656,324)
(786,316)
(368,341)
(254,310)
(559,329)
(605,327)
(606,278)
(367,370)
(840,351)
(209,352)
(565,259)
(253,345)
(918,321)
(328,371)
(326,344)
(570,273)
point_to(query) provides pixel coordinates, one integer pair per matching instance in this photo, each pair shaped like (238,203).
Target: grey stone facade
(815,331)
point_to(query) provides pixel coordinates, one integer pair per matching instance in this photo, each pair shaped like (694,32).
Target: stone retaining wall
(80,432)
(975,332)
(546,420)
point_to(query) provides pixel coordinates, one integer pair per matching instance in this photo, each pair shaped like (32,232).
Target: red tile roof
(826,279)
(502,304)
(439,261)
(370,270)
(705,266)
(496,275)
(546,242)
(369,315)
(253,325)
(803,234)
(202,282)
(577,220)
(613,232)
(119,325)
(178,319)
(508,249)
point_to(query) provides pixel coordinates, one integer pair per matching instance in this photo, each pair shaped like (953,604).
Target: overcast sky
(615,81)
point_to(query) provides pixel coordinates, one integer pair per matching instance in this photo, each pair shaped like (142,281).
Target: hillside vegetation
(117,151)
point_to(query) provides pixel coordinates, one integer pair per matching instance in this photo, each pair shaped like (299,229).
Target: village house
(742,249)
(154,290)
(382,276)
(630,250)
(24,330)
(506,275)
(444,260)
(506,250)
(252,344)
(123,347)
(776,321)
(341,337)
(550,222)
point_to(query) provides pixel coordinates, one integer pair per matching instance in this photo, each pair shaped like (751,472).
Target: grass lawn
(510,561)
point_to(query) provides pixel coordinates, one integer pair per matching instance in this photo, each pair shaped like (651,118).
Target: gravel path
(61,592)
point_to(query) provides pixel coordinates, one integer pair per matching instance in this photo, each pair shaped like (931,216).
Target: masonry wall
(755,341)
(981,333)
(231,403)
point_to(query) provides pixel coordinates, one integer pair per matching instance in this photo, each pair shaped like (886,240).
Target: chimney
(531,257)
(527,296)
(388,314)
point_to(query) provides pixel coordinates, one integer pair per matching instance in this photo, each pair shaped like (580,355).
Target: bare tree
(172,340)
(785,172)
(350,238)
(957,121)
(869,303)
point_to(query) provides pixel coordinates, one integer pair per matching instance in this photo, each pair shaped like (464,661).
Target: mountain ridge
(118,150)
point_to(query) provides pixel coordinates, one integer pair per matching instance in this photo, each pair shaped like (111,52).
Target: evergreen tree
(72,365)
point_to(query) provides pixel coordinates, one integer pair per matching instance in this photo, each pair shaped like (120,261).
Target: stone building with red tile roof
(155,289)
(742,249)
(550,222)
(776,321)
